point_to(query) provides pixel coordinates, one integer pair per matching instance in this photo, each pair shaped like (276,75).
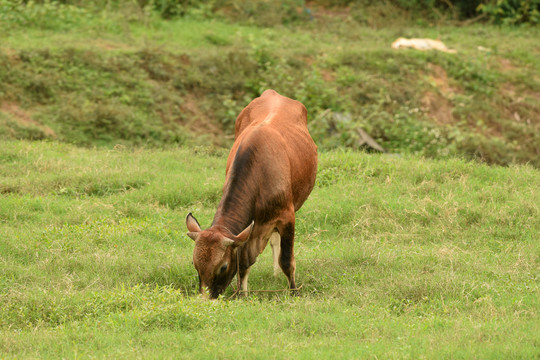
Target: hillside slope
(134,79)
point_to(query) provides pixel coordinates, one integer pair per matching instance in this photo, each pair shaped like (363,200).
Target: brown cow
(270,172)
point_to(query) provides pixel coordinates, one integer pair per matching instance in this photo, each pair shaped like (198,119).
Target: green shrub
(63,14)
(263,12)
(512,11)
(497,11)
(49,14)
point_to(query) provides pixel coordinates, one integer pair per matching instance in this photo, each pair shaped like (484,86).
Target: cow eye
(222,269)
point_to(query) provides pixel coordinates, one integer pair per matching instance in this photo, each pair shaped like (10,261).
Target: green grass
(418,255)
(129,77)
(399,257)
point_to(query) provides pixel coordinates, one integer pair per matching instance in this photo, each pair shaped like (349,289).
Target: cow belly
(303,179)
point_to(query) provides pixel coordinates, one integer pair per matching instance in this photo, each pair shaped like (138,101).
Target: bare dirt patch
(185,60)
(440,79)
(327,75)
(506,65)
(438,108)
(330,12)
(24,118)
(200,122)
(438,103)
(12,54)
(521,105)
(110,45)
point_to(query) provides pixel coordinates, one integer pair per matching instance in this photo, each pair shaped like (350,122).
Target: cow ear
(243,237)
(192,224)
(193,235)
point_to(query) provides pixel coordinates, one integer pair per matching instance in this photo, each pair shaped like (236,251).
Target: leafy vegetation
(131,78)
(269,13)
(512,11)
(398,257)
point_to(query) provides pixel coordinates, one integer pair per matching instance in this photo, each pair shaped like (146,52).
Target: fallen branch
(366,139)
(237,291)
(473,20)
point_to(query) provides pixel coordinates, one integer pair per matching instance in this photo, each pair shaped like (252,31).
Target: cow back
(273,128)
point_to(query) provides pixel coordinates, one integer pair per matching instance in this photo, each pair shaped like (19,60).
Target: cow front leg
(286,256)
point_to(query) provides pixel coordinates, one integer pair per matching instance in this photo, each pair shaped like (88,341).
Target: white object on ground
(421,44)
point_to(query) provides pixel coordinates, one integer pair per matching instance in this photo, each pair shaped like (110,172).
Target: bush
(512,11)
(263,12)
(55,14)
(47,15)
(497,11)
(61,14)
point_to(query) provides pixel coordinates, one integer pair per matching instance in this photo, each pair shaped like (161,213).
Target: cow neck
(231,222)
(236,208)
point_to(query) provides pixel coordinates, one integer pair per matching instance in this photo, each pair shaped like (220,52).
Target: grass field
(399,257)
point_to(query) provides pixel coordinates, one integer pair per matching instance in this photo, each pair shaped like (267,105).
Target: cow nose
(204,293)
(208,294)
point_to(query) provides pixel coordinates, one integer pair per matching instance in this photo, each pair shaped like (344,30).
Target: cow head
(214,256)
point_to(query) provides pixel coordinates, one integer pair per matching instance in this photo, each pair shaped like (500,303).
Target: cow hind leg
(286,256)
(244,274)
(275,242)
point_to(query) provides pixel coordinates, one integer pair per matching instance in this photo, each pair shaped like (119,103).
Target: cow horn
(227,242)
(243,237)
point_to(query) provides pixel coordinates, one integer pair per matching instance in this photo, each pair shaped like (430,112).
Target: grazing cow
(270,172)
